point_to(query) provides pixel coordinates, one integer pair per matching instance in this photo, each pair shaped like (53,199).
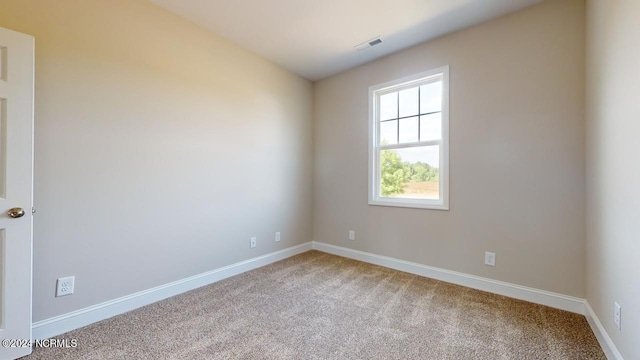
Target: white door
(16,179)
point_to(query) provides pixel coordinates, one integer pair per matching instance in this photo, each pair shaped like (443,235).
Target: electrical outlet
(490,258)
(617,313)
(278,236)
(64,286)
(253,242)
(352,235)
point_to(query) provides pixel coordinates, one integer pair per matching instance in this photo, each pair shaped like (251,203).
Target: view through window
(410,141)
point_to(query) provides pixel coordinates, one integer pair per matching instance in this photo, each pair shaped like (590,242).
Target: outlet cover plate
(490,258)
(65,285)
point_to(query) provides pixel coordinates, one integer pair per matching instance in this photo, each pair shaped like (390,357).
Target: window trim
(374,128)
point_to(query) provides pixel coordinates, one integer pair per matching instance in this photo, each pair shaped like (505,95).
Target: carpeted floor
(321,306)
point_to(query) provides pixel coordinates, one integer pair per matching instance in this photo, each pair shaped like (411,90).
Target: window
(409,141)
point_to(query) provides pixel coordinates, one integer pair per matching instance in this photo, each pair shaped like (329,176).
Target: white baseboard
(83,317)
(555,300)
(603,337)
(542,297)
(60,324)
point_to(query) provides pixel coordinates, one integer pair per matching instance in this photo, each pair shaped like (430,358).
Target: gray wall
(613,171)
(160,149)
(517,153)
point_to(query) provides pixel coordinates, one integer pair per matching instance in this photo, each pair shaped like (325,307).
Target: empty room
(298,179)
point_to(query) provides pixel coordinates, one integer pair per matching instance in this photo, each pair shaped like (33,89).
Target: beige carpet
(320,306)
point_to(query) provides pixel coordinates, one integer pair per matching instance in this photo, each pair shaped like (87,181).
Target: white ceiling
(316,38)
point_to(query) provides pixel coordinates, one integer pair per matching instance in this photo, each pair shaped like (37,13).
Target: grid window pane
(431,127)
(389,106)
(389,132)
(408,155)
(410,173)
(431,97)
(409,102)
(409,130)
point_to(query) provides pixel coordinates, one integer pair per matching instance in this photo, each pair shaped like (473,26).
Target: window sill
(410,204)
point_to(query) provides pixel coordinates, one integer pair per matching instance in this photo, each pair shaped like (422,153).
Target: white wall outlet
(617,313)
(278,236)
(64,286)
(490,258)
(352,235)
(253,242)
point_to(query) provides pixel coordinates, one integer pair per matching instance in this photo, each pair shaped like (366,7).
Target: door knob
(16,212)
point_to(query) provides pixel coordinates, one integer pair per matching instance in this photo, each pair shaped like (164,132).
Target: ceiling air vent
(369,43)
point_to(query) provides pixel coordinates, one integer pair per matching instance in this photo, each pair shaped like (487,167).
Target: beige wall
(517,153)
(613,171)
(160,149)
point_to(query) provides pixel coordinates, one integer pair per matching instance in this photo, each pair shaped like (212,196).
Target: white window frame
(374,150)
